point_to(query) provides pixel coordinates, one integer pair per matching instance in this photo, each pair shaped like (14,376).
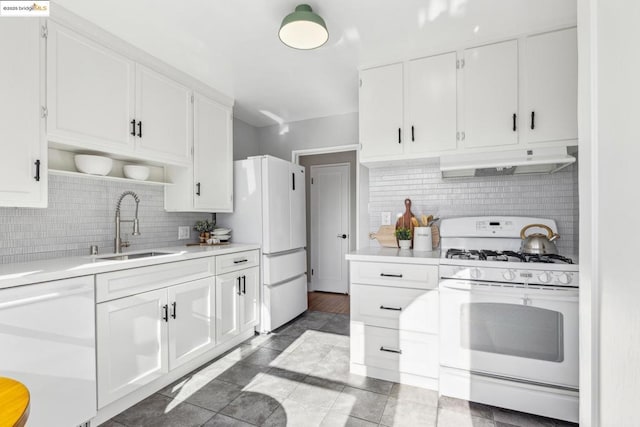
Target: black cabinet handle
(133,127)
(140,129)
(173,314)
(165,316)
(413,136)
(244,284)
(239,286)
(197,189)
(533,120)
(390,350)
(240,261)
(382,307)
(293,181)
(399,136)
(37,177)
(391,275)
(514,122)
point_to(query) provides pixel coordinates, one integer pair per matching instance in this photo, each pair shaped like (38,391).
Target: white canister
(422,239)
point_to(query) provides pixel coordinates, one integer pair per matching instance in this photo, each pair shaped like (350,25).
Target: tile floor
(299,376)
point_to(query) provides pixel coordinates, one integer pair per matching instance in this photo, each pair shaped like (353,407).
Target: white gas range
(509,321)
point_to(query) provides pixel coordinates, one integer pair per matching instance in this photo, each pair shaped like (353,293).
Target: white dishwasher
(47,342)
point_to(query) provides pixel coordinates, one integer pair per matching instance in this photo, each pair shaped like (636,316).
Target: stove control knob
(565,278)
(509,275)
(544,277)
(475,273)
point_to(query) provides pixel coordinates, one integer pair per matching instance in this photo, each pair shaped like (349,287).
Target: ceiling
(233,45)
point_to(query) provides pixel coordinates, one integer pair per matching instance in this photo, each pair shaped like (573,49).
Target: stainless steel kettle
(537,243)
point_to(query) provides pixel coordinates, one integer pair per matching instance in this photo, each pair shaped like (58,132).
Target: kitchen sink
(122,257)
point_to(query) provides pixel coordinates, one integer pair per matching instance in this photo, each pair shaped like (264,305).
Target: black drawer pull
(399,136)
(391,275)
(133,127)
(140,129)
(165,315)
(390,350)
(173,315)
(239,285)
(533,120)
(240,261)
(382,307)
(197,189)
(244,284)
(37,177)
(514,123)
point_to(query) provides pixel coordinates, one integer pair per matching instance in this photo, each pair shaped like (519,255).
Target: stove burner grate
(505,256)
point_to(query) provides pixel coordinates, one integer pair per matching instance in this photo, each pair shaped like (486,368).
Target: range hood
(512,162)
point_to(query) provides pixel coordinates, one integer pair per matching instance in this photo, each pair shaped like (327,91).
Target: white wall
(280,140)
(245,140)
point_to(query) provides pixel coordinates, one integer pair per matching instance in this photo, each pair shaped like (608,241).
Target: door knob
(342,236)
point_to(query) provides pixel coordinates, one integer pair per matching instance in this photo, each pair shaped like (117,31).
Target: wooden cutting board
(386,236)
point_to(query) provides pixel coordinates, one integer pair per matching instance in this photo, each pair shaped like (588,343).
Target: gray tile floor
(299,376)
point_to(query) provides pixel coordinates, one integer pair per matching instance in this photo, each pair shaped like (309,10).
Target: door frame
(350,235)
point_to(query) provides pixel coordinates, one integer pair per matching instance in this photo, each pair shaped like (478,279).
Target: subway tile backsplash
(552,196)
(81,213)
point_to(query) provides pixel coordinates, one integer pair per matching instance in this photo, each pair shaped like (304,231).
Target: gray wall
(81,213)
(546,196)
(245,140)
(327,159)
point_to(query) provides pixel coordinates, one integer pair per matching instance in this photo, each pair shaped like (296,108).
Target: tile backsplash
(81,213)
(552,196)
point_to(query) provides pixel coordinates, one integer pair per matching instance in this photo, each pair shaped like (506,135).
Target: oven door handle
(570,294)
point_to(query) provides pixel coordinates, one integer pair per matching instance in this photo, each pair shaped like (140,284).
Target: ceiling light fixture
(303,29)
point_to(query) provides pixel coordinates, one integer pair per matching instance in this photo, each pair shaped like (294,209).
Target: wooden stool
(14,403)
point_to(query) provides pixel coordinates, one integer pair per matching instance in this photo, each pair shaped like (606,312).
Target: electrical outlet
(386,218)
(183,232)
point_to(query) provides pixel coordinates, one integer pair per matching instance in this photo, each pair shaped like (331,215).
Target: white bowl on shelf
(138,172)
(93,165)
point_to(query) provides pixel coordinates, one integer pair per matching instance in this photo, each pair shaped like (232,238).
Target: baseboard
(395,376)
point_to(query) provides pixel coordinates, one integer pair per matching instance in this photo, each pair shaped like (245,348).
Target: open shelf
(105,177)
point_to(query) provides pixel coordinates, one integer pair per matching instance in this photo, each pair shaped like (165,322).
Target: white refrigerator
(269,208)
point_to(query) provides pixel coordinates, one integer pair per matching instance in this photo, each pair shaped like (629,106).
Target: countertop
(27,273)
(395,255)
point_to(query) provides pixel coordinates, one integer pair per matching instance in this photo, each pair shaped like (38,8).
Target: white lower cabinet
(236,303)
(394,322)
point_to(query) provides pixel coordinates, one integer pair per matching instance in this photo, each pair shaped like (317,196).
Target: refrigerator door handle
(293,181)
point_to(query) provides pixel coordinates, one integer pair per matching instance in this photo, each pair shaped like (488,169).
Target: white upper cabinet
(23,164)
(163,114)
(431,116)
(381,112)
(90,93)
(491,95)
(550,87)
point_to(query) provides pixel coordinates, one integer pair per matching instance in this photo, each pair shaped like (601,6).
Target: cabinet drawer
(236,261)
(123,283)
(396,308)
(400,351)
(392,274)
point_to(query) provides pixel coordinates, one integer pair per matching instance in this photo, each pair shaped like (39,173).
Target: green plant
(403,233)
(203,226)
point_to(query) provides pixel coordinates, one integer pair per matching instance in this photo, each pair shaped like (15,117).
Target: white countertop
(395,255)
(27,273)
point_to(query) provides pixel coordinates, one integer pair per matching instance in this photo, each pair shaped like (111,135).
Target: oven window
(512,330)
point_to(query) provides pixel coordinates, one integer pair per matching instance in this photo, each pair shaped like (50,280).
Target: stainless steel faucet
(119,244)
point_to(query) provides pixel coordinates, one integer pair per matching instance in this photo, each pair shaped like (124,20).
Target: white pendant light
(303,29)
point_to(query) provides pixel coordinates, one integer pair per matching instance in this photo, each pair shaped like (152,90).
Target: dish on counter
(221,231)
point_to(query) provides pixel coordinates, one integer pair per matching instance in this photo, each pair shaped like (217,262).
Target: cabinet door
(277,183)
(90,93)
(551,87)
(381,111)
(132,344)
(491,95)
(298,208)
(228,291)
(431,122)
(22,138)
(249,301)
(191,320)
(213,156)
(163,106)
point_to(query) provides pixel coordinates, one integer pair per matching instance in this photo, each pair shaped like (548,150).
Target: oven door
(513,331)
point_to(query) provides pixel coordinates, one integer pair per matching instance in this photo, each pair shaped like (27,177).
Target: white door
(298,208)
(249,301)
(90,93)
(431,120)
(22,141)
(551,87)
(164,114)
(491,95)
(277,182)
(213,155)
(330,228)
(191,320)
(228,291)
(380,101)
(132,343)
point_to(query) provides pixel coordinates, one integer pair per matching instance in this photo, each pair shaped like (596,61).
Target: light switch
(183,232)
(385,218)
